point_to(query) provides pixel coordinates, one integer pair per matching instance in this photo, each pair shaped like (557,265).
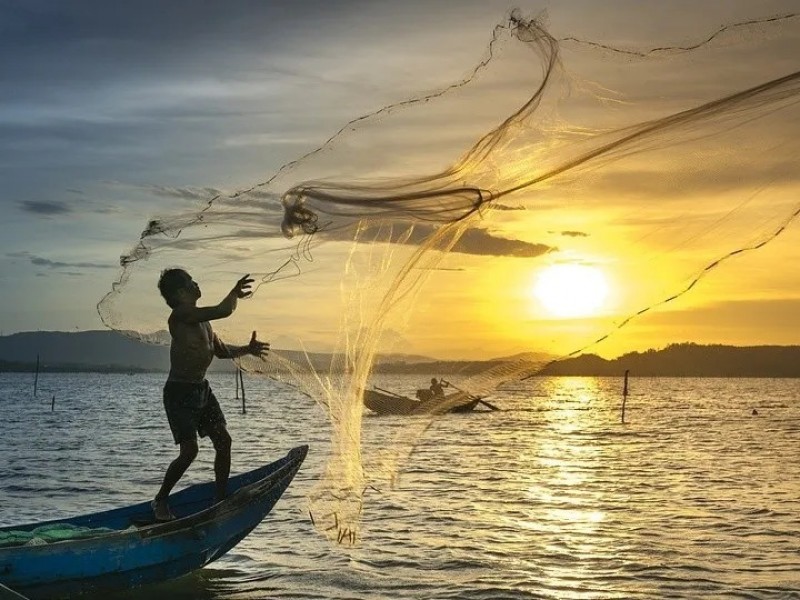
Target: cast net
(419,228)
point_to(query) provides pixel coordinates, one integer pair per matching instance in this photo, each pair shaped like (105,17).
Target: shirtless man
(190,404)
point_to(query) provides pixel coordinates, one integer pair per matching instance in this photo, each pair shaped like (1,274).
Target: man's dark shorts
(192,409)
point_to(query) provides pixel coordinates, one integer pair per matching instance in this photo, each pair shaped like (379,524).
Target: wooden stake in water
(625,394)
(236,374)
(53,404)
(241,385)
(36,377)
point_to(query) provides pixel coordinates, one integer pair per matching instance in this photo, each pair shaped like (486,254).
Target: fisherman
(190,404)
(437,387)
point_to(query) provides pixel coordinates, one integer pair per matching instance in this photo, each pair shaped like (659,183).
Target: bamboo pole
(488,405)
(624,395)
(388,392)
(241,385)
(36,377)
(236,374)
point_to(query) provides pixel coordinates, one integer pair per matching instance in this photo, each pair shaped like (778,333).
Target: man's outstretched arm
(255,348)
(195,314)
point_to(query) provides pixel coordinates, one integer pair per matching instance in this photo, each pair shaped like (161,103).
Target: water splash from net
(530,160)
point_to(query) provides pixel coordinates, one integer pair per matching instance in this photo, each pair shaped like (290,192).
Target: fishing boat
(384,402)
(125,548)
(388,403)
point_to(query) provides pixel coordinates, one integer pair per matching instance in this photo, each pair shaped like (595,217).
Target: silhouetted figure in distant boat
(437,387)
(190,404)
(754,413)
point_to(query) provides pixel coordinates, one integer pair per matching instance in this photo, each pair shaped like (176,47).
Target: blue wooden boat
(139,551)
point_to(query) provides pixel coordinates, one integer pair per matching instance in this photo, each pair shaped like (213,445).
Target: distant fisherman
(190,404)
(437,387)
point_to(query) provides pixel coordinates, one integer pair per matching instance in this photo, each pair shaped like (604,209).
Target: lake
(695,496)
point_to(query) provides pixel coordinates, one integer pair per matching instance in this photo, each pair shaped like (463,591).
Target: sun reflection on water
(567,501)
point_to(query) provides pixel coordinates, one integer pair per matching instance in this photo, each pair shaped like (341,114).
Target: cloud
(482,243)
(569,233)
(257,199)
(49,208)
(45,207)
(192,193)
(56,264)
(184,193)
(475,242)
(106,210)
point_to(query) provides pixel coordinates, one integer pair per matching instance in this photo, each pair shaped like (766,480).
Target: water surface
(551,497)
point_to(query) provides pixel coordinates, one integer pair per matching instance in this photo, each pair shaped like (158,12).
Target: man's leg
(222,461)
(174,473)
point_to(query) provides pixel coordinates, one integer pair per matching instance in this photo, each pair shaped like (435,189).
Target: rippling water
(551,497)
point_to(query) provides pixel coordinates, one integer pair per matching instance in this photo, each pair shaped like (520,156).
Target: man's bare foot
(161,510)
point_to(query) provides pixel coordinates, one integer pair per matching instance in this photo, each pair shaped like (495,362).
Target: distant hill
(110,351)
(103,350)
(689,360)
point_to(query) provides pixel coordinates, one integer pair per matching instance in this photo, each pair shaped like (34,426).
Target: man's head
(177,287)
(433,381)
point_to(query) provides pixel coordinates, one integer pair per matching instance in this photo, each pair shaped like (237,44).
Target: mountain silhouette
(689,360)
(113,351)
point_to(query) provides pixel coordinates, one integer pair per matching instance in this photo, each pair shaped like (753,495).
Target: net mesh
(655,166)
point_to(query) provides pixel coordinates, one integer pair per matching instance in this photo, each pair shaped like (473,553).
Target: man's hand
(256,348)
(242,287)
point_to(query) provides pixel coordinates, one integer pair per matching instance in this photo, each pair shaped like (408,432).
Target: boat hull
(138,552)
(386,404)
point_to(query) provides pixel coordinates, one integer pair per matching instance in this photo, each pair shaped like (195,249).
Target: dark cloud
(476,242)
(50,208)
(185,193)
(482,243)
(56,264)
(569,233)
(45,207)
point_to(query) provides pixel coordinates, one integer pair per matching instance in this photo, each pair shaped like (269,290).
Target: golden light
(569,290)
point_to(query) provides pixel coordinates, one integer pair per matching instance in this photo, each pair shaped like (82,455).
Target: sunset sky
(113,113)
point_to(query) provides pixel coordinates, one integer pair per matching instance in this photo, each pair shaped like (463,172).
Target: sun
(569,290)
